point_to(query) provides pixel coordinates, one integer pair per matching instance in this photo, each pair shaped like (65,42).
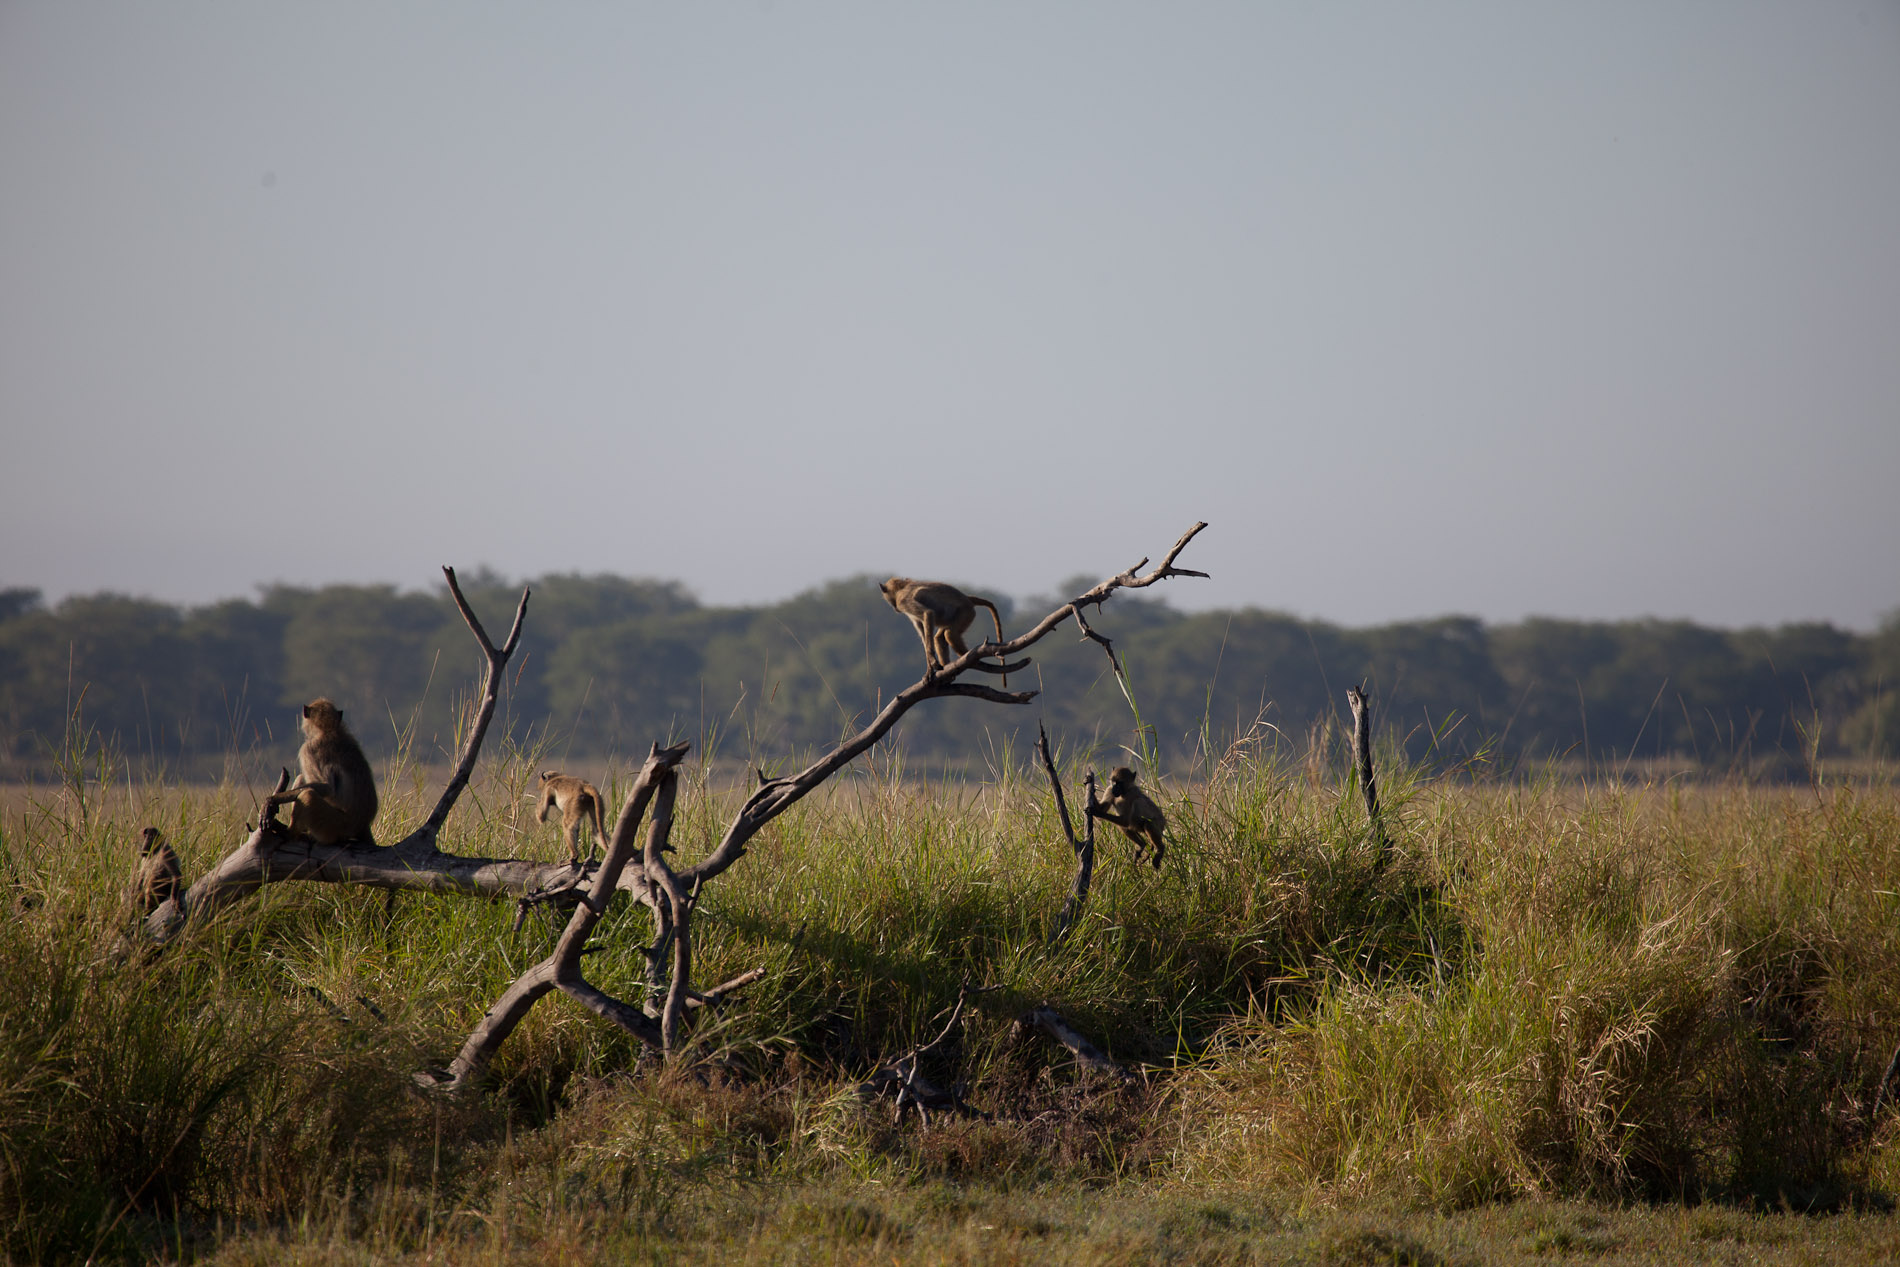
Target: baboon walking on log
(579,802)
(941,613)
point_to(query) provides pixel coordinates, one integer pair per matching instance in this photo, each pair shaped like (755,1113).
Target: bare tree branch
(269,858)
(1095,597)
(1084,847)
(561,968)
(717,995)
(778,795)
(423,839)
(1362,766)
(679,907)
(657,954)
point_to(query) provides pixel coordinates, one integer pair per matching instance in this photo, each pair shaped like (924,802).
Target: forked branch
(497,659)
(1083,846)
(901,1077)
(1095,597)
(562,968)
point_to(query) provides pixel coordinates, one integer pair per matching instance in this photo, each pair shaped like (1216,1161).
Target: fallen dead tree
(269,855)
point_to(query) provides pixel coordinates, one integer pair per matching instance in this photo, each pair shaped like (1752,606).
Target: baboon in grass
(941,613)
(579,802)
(335,797)
(157,880)
(1129,808)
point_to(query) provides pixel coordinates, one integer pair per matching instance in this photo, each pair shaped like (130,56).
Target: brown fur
(1129,808)
(336,793)
(941,614)
(158,879)
(579,802)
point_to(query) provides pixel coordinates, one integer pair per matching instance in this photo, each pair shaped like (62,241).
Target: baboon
(1129,808)
(579,802)
(157,880)
(336,794)
(941,613)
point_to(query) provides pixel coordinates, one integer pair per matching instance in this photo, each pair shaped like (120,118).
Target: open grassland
(1611,1022)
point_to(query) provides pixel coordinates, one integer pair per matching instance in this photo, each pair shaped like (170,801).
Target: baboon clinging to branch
(158,879)
(941,613)
(1129,808)
(335,796)
(579,802)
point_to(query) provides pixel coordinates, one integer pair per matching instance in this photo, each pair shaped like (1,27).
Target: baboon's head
(1121,776)
(148,842)
(320,717)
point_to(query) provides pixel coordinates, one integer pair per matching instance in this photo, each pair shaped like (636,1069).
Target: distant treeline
(609,664)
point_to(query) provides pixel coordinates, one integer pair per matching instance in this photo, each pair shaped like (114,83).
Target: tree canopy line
(609,663)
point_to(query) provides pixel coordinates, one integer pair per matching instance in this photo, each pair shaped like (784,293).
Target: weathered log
(1087,1054)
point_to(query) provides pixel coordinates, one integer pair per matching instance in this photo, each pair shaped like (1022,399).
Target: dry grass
(1561,1000)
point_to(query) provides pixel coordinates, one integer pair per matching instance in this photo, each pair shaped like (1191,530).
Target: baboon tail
(997,620)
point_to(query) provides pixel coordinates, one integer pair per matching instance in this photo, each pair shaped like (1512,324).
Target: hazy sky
(1574,309)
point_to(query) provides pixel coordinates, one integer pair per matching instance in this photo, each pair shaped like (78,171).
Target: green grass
(1613,1023)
